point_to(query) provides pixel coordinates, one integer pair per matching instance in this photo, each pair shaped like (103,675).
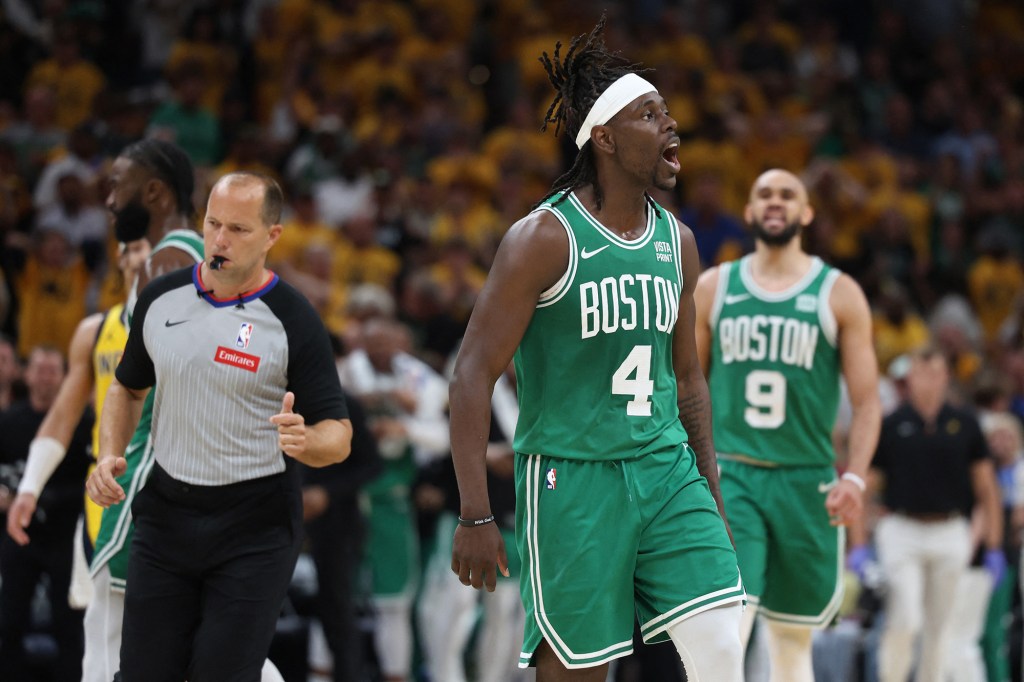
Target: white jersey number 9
(766,398)
(637,364)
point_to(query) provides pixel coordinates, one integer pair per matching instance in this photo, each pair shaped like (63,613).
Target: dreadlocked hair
(170,164)
(586,71)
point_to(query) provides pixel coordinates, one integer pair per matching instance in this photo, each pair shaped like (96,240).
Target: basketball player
(618,515)
(93,354)
(151,185)
(775,330)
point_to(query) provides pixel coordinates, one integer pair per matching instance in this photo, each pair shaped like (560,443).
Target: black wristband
(472,523)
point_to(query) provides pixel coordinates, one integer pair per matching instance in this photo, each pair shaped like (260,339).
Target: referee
(244,372)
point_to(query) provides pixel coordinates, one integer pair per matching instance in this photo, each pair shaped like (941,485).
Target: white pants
(102,625)
(964,660)
(393,637)
(447,614)
(80,589)
(922,563)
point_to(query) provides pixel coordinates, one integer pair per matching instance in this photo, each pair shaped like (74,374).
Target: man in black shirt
(933,467)
(52,528)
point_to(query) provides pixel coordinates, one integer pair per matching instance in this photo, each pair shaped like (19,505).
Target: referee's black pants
(208,571)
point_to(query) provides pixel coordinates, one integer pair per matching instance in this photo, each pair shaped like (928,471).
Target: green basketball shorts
(790,555)
(607,542)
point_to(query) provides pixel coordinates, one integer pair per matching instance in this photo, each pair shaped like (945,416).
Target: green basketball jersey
(774,373)
(189,241)
(594,368)
(116,525)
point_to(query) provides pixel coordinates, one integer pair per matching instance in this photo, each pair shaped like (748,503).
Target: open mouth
(773,218)
(671,156)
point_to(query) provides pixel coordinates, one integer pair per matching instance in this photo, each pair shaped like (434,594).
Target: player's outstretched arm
(122,409)
(845,503)
(531,258)
(50,445)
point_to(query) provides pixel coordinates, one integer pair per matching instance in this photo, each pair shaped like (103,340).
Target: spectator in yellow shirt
(897,327)
(35,136)
(75,81)
(302,229)
(467,218)
(201,43)
(50,292)
(460,278)
(320,285)
(361,259)
(994,281)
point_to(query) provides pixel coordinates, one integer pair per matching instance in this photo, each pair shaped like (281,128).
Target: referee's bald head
(273,197)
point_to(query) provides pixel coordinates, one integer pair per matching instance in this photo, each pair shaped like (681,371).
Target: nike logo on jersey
(735,298)
(584,254)
(168,323)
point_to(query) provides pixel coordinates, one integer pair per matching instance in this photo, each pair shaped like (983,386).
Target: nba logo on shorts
(244,334)
(551,478)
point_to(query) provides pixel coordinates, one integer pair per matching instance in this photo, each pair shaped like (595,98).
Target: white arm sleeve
(44,456)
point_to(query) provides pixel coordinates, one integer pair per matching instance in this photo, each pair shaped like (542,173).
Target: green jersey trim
(826,316)
(723,285)
(188,241)
(564,284)
(747,277)
(677,244)
(631,245)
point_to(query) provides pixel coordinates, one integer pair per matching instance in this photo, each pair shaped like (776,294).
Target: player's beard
(777,239)
(132,221)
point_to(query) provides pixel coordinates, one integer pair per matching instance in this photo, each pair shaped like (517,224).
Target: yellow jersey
(106,354)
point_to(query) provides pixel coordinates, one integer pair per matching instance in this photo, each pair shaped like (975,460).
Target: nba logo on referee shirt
(244,334)
(551,478)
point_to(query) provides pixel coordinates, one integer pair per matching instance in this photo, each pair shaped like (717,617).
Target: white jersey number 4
(640,387)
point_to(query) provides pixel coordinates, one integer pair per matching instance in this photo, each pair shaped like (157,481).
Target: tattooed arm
(693,397)
(695,414)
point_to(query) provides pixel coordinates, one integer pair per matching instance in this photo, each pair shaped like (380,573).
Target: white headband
(619,94)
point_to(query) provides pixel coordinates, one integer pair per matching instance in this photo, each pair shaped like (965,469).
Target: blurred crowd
(406,135)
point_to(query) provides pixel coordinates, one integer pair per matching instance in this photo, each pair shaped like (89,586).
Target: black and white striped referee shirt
(221,368)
